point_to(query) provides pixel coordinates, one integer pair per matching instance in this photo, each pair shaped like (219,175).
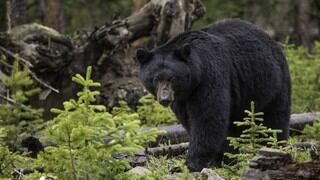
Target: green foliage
(152,113)
(87,136)
(220,9)
(5,156)
(38,175)
(305,75)
(19,119)
(253,137)
(9,160)
(313,131)
(162,166)
(298,154)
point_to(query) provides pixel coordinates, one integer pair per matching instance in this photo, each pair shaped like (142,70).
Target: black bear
(210,76)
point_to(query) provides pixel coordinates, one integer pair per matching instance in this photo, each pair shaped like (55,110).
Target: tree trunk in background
(289,19)
(2,15)
(52,14)
(316,13)
(15,13)
(303,25)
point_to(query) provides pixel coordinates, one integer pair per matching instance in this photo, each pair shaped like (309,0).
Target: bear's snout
(165,93)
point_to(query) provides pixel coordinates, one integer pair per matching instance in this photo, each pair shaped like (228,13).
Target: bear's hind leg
(277,116)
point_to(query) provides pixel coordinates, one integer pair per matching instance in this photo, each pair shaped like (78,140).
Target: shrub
(313,131)
(87,137)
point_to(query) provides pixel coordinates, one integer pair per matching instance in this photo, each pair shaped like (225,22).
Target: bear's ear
(143,55)
(184,51)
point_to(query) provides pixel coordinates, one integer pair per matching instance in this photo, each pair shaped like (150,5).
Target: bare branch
(12,101)
(42,82)
(27,63)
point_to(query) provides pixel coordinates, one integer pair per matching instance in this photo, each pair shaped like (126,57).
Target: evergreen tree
(19,119)
(253,137)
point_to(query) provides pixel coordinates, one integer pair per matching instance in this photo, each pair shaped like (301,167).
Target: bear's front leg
(208,131)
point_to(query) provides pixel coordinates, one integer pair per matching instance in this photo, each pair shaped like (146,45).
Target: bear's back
(256,60)
(235,29)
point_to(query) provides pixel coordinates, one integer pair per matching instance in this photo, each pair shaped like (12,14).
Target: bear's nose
(165,99)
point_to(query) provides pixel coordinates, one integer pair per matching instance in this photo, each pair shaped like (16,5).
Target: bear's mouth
(165,93)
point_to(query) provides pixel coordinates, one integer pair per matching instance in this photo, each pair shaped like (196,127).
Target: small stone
(209,174)
(140,171)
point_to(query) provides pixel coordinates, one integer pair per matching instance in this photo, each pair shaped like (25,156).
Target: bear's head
(169,72)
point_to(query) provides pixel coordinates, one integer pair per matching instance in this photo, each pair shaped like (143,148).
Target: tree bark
(15,13)
(303,24)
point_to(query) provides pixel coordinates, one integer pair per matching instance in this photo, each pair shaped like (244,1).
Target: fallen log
(176,134)
(170,151)
(299,121)
(274,164)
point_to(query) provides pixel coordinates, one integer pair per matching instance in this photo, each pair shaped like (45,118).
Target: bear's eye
(155,80)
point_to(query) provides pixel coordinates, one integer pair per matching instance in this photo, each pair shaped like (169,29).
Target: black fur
(230,63)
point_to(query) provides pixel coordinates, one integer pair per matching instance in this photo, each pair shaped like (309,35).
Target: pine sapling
(19,119)
(253,137)
(87,136)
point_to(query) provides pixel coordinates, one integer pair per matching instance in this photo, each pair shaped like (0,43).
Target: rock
(140,171)
(209,174)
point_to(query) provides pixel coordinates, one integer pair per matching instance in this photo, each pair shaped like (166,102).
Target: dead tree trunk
(109,49)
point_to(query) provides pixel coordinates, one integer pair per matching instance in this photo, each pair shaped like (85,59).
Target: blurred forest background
(298,20)
(95,33)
